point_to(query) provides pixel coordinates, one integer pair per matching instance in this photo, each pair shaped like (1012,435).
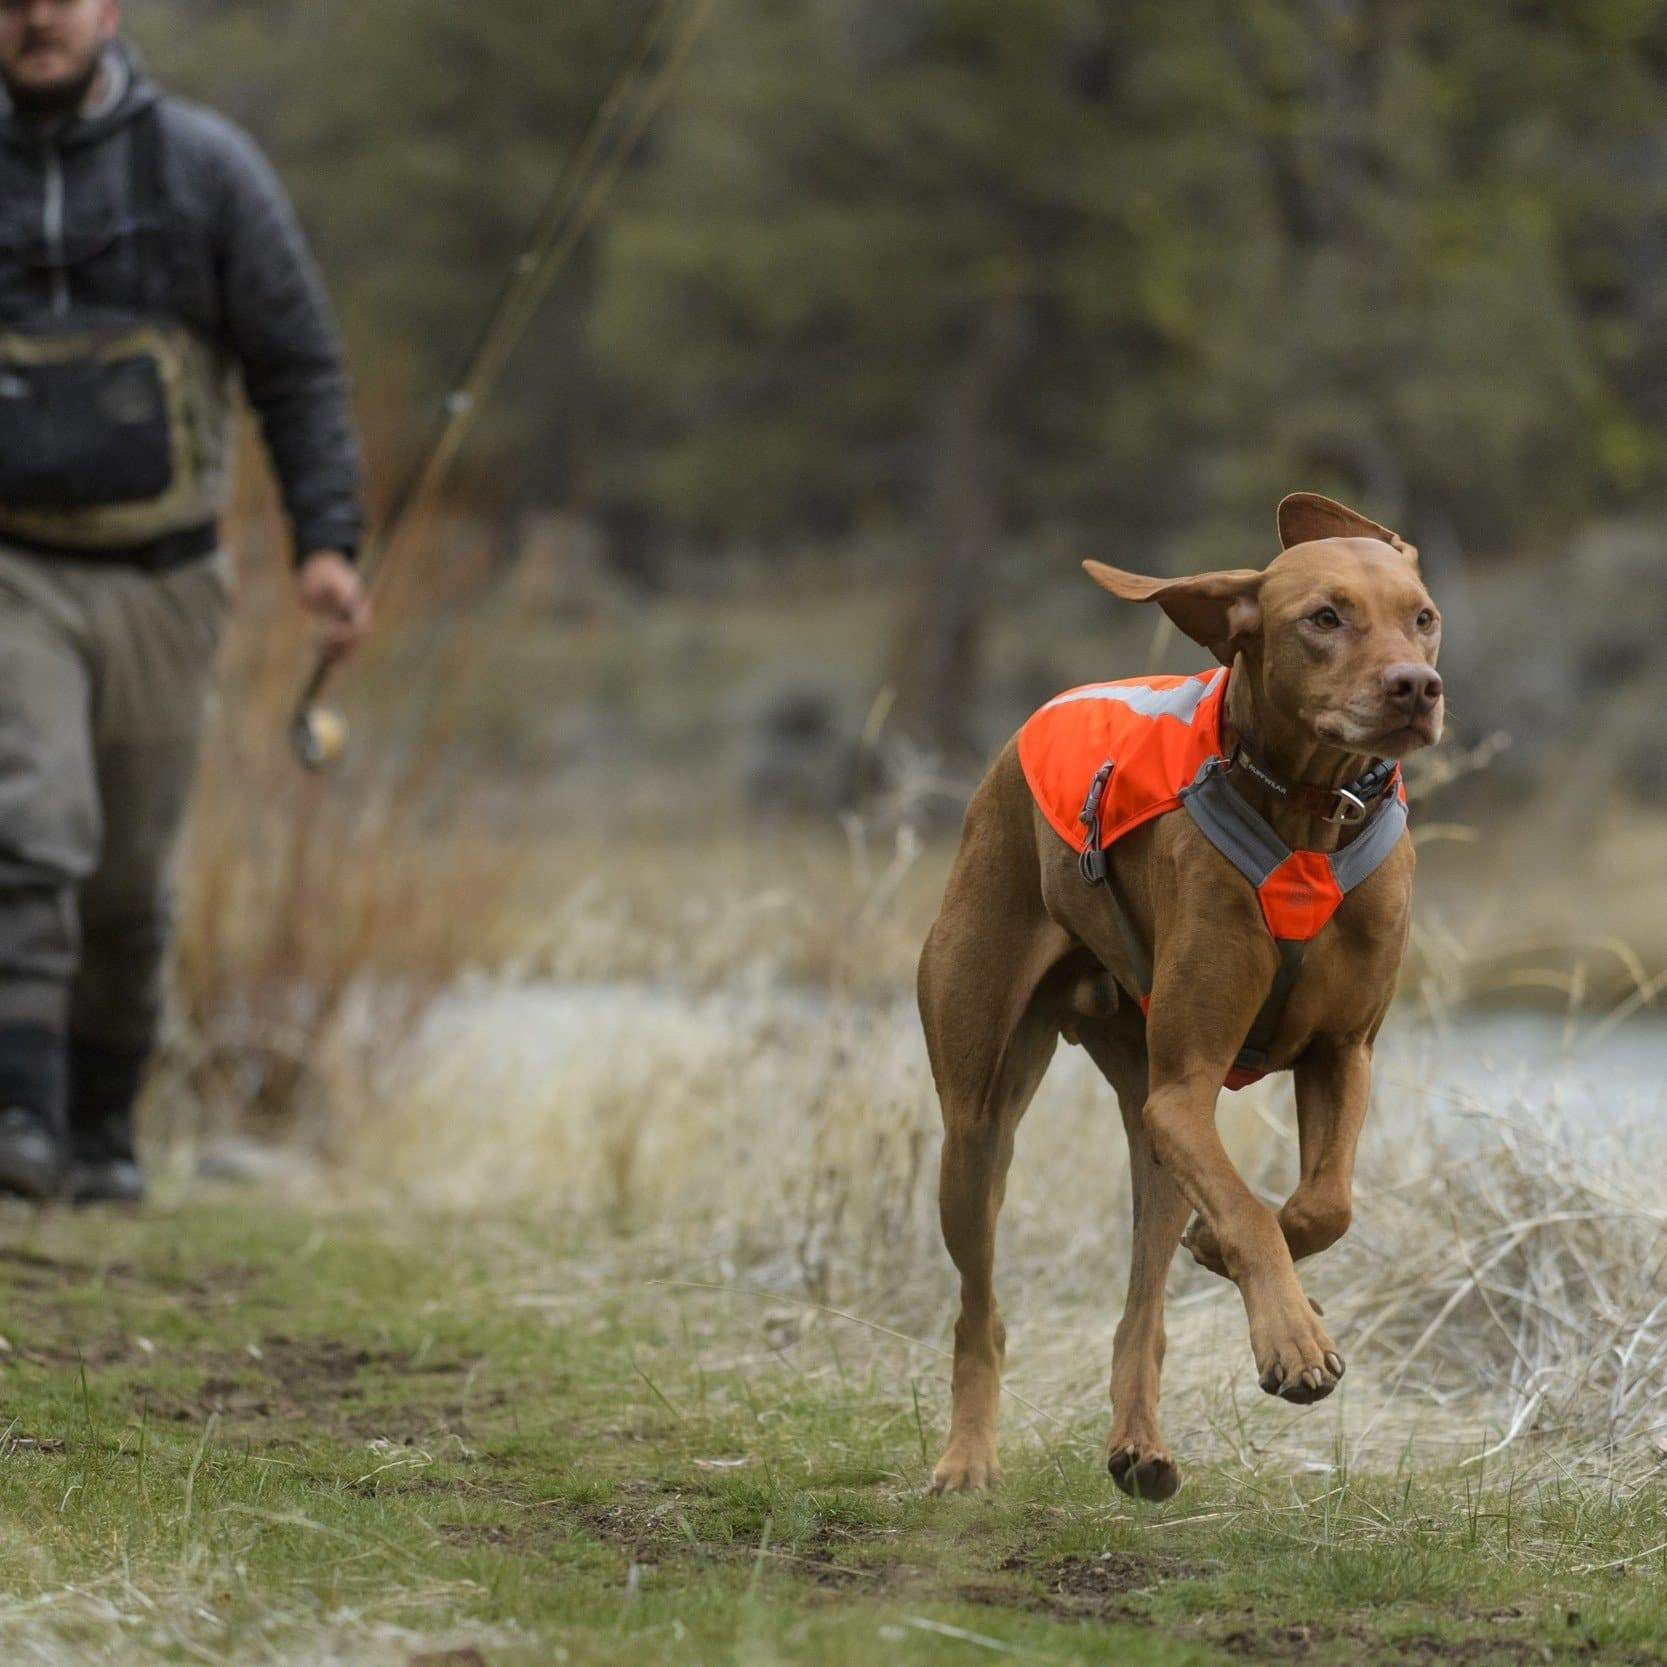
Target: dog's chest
(1348,971)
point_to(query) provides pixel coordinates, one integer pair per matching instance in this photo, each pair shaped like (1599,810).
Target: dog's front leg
(1294,1356)
(1333,1083)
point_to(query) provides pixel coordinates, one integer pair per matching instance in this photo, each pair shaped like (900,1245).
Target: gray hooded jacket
(239,273)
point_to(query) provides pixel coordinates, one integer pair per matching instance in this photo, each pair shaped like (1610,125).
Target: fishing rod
(318,735)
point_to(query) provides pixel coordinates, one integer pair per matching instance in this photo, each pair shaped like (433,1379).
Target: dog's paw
(1297,1361)
(966,1467)
(1147,1473)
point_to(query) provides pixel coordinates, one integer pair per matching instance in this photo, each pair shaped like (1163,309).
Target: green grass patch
(239,1432)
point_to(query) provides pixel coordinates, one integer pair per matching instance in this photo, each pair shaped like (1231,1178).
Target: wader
(106,677)
(113,468)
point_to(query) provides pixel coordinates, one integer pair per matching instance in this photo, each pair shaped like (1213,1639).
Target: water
(1513,1062)
(1507,1063)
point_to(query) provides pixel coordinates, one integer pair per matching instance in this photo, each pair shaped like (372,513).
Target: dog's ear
(1219,611)
(1305,516)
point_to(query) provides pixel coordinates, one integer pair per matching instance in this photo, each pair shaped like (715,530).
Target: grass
(594,1307)
(244,1431)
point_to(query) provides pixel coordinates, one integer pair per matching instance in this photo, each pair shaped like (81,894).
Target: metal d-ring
(1351,809)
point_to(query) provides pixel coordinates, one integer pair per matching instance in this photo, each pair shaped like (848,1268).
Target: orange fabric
(1157,732)
(1300,896)
(1063,745)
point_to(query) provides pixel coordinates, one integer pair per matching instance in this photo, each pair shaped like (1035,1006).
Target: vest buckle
(1089,815)
(1092,863)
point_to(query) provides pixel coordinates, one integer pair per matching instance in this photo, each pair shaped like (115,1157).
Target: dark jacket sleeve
(277,322)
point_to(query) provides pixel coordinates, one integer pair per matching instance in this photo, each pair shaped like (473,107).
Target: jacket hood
(126,92)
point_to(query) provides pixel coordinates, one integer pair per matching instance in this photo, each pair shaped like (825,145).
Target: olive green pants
(106,678)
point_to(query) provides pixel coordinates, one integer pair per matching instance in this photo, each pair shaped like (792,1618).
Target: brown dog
(1331,650)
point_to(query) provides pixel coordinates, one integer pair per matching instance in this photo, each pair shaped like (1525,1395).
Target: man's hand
(334,594)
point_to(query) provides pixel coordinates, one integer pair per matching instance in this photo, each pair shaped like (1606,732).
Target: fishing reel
(318,737)
(317,733)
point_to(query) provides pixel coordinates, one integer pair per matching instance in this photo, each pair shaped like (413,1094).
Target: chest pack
(1104,759)
(106,413)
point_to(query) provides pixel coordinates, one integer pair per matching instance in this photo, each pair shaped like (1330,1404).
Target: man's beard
(57,99)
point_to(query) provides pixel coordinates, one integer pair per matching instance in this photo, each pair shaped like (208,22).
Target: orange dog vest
(1105,758)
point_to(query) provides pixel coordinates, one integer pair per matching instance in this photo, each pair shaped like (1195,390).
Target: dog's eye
(1328,619)
(1426,619)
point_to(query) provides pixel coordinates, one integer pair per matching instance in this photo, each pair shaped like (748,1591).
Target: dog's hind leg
(991,1029)
(1136,1455)
(984,1093)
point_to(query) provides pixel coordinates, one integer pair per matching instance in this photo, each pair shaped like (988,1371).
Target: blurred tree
(420,139)
(883,274)
(956,274)
(980,269)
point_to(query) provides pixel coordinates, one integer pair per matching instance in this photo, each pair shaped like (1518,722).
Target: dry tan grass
(1503,1282)
(689,1043)
(303,892)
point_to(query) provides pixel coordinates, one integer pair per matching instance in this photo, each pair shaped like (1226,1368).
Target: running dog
(1199,880)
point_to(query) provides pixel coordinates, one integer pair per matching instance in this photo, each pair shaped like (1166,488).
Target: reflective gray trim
(1180,702)
(1228,822)
(1251,845)
(1366,853)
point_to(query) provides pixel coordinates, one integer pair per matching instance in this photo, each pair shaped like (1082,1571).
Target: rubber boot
(32,1134)
(103,1089)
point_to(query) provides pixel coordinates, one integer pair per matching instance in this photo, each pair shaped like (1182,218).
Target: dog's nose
(1412,687)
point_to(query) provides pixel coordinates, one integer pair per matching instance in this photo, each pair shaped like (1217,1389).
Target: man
(147,255)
